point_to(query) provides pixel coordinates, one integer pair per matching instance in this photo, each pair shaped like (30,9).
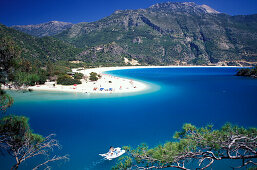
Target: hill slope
(167,33)
(42,49)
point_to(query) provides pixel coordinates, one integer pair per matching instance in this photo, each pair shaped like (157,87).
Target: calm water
(87,125)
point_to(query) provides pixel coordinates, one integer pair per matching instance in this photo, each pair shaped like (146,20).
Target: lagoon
(87,125)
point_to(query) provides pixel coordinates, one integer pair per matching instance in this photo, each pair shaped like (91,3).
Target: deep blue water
(89,125)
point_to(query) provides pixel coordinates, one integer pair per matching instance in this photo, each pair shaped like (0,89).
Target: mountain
(39,49)
(44,29)
(167,33)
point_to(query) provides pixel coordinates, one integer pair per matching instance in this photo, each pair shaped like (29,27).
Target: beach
(106,84)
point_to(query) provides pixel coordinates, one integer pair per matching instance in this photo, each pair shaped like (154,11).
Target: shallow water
(87,125)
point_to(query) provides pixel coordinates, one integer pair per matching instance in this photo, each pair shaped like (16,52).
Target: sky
(25,12)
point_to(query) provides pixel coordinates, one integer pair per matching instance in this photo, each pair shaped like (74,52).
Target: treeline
(28,73)
(32,73)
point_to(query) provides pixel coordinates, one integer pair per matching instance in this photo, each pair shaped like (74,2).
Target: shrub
(78,76)
(94,76)
(67,80)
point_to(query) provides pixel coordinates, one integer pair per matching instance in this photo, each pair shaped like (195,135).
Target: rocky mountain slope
(167,33)
(163,34)
(44,29)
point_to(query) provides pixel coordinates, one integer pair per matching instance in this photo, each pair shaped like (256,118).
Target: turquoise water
(87,125)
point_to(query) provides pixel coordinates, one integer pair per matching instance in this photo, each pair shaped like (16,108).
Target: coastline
(107,84)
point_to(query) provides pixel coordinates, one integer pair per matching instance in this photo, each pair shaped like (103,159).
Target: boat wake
(94,164)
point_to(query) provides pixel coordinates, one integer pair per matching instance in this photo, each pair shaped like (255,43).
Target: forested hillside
(41,49)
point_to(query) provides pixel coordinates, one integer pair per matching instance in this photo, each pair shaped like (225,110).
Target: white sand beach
(106,84)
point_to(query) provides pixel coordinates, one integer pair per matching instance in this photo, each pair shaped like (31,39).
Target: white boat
(114,154)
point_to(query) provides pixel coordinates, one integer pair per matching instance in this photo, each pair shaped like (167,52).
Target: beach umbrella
(74,86)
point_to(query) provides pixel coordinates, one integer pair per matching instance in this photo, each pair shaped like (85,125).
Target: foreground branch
(204,145)
(55,158)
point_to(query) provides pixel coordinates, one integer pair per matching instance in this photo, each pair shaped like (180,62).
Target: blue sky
(24,12)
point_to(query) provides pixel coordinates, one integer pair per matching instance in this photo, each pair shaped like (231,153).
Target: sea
(86,125)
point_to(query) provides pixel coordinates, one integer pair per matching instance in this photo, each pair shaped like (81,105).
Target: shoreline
(107,84)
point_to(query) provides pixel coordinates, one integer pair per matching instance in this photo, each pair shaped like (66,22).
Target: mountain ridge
(44,29)
(169,33)
(187,6)
(166,34)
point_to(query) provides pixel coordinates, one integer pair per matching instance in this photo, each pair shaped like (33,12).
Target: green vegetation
(18,139)
(19,131)
(67,80)
(249,72)
(203,145)
(18,70)
(16,136)
(78,76)
(94,76)
(8,56)
(40,49)
(124,163)
(28,74)
(9,52)
(5,100)
(24,72)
